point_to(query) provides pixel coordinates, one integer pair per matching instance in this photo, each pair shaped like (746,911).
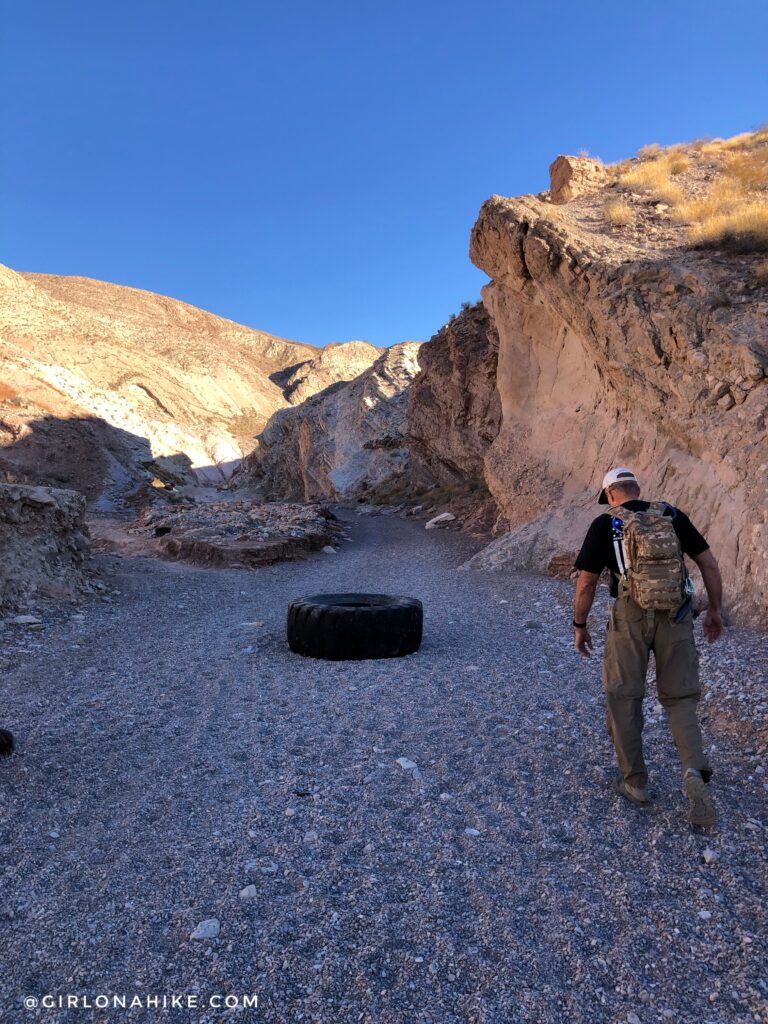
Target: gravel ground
(173,752)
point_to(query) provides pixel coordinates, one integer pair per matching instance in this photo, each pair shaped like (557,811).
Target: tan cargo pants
(631,636)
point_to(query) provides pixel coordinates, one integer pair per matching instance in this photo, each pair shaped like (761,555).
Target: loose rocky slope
(99,381)
(625,346)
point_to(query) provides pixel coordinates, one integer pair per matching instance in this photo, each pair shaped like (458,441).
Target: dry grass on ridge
(617,212)
(732,213)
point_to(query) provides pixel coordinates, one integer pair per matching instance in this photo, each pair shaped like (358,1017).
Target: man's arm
(713,581)
(586,585)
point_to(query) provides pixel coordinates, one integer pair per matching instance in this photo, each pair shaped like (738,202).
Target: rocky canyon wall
(346,442)
(633,351)
(454,411)
(102,386)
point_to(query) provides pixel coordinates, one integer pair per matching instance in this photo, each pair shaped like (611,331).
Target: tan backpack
(649,556)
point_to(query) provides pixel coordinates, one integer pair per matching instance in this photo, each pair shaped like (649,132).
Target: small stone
(248,893)
(704,915)
(632,1018)
(328,550)
(710,856)
(208,929)
(405,762)
(290,811)
(270,868)
(439,521)
(471,832)
(26,620)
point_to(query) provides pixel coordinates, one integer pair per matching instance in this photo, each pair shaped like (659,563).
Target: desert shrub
(678,163)
(617,212)
(652,149)
(717,146)
(749,168)
(743,228)
(653,176)
(734,212)
(760,273)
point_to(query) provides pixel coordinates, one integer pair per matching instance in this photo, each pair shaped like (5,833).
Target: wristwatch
(579,625)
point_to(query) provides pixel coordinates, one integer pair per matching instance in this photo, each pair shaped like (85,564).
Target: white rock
(328,550)
(632,1018)
(208,929)
(471,831)
(710,856)
(442,520)
(248,893)
(704,915)
(405,762)
(26,620)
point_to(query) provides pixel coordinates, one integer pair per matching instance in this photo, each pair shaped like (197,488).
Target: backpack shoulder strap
(663,508)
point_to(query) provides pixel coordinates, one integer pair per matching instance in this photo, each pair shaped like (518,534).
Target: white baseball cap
(620,475)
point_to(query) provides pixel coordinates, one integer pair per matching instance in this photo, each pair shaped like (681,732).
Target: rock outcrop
(454,412)
(239,533)
(574,176)
(44,543)
(344,443)
(333,363)
(632,351)
(100,383)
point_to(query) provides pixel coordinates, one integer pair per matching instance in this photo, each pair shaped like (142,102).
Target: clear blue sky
(314,168)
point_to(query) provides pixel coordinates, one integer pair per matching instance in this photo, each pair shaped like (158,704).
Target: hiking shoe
(701,808)
(632,793)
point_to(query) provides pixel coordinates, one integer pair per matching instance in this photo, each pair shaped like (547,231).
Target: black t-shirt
(597,551)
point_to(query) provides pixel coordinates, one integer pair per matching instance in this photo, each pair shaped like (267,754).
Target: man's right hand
(583,642)
(713,624)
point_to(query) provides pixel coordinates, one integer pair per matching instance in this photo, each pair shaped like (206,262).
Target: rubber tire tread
(379,626)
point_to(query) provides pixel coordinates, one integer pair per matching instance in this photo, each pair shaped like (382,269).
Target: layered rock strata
(615,352)
(239,533)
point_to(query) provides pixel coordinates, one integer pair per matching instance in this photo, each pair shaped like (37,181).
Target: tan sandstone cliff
(344,442)
(626,346)
(98,382)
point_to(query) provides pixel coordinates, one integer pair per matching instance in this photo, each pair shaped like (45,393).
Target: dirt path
(173,751)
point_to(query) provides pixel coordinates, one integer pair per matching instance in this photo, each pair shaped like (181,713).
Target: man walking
(643,543)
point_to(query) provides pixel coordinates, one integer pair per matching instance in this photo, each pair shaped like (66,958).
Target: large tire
(353,627)
(7,743)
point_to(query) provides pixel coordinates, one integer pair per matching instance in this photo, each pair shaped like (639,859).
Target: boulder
(44,542)
(572,176)
(440,521)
